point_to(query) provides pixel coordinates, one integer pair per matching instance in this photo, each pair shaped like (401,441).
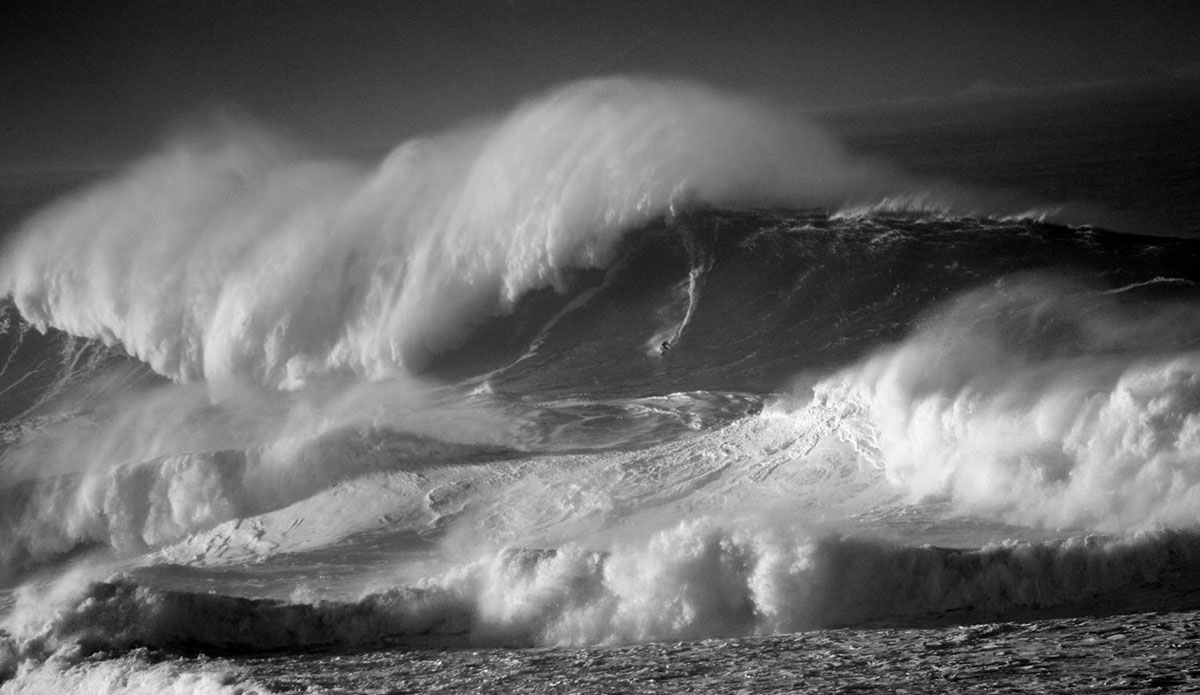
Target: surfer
(665,347)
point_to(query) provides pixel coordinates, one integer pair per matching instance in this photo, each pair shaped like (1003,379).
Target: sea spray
(1040,401)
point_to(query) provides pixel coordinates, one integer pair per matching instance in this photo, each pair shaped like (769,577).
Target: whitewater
(638,375)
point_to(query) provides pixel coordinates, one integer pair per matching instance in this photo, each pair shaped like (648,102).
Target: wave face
(639,361)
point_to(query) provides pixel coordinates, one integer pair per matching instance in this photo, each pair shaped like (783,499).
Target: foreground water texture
(640,387)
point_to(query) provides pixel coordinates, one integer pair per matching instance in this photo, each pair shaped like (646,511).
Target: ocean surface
(643,386)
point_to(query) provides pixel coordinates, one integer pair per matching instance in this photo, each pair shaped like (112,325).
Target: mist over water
(885,398)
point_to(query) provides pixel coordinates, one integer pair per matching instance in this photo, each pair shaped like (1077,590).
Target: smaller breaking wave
(696,580)
(1040,401)
(148,468)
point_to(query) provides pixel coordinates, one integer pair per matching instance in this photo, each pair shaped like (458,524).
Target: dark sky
(92,81)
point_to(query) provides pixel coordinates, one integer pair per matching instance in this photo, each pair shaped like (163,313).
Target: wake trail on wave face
(129,675)
(228,257)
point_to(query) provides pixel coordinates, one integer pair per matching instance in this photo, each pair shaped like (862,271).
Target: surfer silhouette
(665,347)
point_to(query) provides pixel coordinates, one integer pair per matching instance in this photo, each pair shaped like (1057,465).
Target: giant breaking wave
(229,257)
(441,376)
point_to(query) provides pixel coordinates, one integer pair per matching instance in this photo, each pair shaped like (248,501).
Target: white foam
(127,675)
(1041,402)
(116,477)
(694,580)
